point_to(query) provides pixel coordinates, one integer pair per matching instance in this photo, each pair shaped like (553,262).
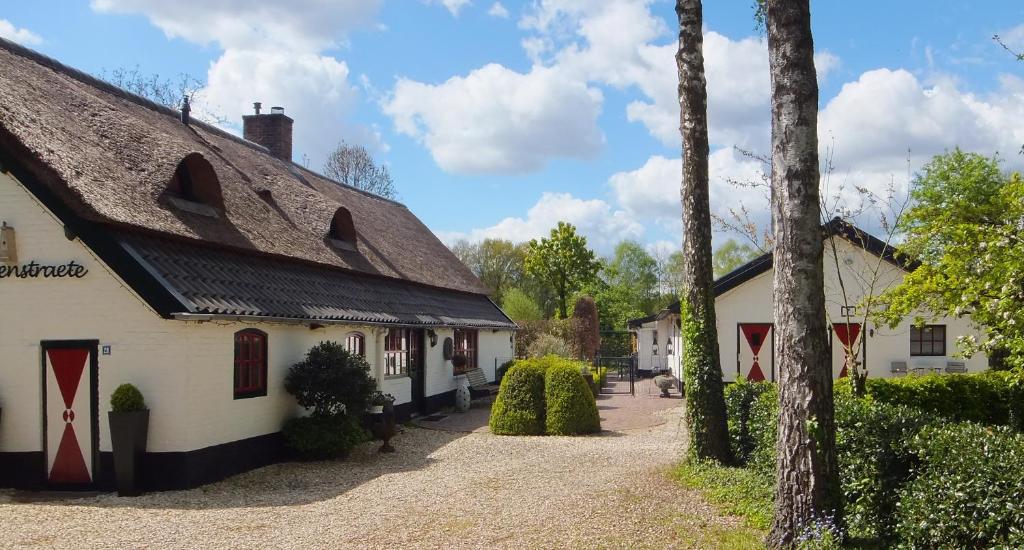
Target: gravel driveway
(440,490)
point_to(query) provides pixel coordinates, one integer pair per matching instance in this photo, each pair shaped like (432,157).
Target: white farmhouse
(743,306)
(139,246)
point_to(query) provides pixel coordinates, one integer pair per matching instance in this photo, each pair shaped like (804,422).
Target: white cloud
(595,219)
(498,10)
(496,120)
(825,63)
(302,25)
(453,6)
(272,54)
(22,36)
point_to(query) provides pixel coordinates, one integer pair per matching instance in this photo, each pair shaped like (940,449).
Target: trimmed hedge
(994,398)
(127,398)
(968,490)
(519,408)
(571,409)
(739,399)
(324,437)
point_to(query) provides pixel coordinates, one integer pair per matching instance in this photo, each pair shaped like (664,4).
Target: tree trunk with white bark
(807,477)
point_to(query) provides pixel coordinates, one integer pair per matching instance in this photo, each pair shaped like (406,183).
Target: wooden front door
(70,423)
(417,370)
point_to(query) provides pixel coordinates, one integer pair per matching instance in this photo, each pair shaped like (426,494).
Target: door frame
(419,335)
(93,346)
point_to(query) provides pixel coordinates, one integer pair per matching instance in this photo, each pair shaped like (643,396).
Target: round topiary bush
(331,381)
(519,407)
(571,408)
(127,398)
(324,437)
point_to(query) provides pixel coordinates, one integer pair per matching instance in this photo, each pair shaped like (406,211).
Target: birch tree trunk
(705,402)
(807,477)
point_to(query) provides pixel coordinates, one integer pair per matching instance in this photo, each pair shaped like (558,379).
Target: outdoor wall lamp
(432,336)
(668,347)
(654,349)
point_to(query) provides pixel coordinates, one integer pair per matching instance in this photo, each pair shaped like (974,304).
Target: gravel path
(441,490)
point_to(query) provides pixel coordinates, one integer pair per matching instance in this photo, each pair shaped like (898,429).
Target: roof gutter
(202,317)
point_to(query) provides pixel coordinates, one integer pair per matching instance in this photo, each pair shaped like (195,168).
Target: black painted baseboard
(440,401)
(24,470)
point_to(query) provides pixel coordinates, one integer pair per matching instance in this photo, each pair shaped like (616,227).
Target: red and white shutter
(755,352)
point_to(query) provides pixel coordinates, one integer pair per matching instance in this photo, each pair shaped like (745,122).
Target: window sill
(193,207)
(250,395)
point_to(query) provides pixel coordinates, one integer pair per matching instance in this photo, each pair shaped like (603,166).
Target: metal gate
(621,374)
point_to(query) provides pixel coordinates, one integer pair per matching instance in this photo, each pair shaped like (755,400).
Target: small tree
(586,330)
(330,381)
(520,307)
(563,262)
(353,165)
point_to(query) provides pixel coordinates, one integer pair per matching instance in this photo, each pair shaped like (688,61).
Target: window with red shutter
(250,363)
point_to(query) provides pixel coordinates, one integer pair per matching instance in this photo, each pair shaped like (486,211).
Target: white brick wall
(184,368)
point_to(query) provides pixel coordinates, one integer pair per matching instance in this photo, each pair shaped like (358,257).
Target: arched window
(355,343)
(343,231)
(250,363)
(195,181)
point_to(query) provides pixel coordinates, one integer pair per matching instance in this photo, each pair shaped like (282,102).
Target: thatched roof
(109,155)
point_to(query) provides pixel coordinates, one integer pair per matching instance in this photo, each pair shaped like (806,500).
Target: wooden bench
(478,384)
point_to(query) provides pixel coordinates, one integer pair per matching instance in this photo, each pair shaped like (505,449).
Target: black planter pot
(128,434)
(383,427)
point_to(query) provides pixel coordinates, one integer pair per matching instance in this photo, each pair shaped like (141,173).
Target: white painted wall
(183,368)
(751,302)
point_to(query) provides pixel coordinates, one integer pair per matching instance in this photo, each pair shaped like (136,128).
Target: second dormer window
(343,231)
(194,187)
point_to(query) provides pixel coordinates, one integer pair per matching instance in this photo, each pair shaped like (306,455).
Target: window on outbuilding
(195,183)
(466,344)
(250,363)
(396,352)
(355,344)
(929,340)
(343,230)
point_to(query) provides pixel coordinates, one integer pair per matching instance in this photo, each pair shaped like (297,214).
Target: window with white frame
(396,352)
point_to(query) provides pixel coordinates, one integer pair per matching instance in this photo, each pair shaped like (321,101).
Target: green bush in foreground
(968,491)
(323,437)
(571,408)
(739,400)
(519,407)
(127,398)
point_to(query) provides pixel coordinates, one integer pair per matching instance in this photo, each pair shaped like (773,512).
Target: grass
(735,491)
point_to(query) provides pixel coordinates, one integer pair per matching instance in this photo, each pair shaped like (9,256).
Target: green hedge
(994,398)
(571,409)
(739,400)
(968,491)
(324,437)
(519,408)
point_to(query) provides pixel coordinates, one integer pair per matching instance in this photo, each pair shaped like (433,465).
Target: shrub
(764,420)
(875,461)
(547,344)
(519,407)
(600,375)
(530,331)
(571,408)
(331,381)
(968,489)
(586,335)
(986,398)
(127,398)
(739,399)
(324,437)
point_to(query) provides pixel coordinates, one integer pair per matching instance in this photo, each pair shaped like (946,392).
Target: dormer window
(343,232)
(194,187)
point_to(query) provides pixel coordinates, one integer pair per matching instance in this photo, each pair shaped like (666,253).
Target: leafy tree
(731,255)
(354,166)
(964,225)
(585,329)
(705,400)
(497,262)
(807,473)
(672,274)
(563,262)
(632,267)
(520,306)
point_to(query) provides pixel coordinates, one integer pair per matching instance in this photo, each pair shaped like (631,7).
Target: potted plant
(379,400)
(382,419)
(129,429)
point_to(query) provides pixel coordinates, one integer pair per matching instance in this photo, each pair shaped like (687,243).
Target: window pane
(915,348)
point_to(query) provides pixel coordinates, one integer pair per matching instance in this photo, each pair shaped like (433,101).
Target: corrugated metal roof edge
(187,316)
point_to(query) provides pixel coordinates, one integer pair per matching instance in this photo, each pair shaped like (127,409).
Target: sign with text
(34,270)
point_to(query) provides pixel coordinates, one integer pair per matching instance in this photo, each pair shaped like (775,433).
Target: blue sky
(499,119)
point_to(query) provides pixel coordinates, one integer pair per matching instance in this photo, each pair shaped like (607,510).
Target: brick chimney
(273,131)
